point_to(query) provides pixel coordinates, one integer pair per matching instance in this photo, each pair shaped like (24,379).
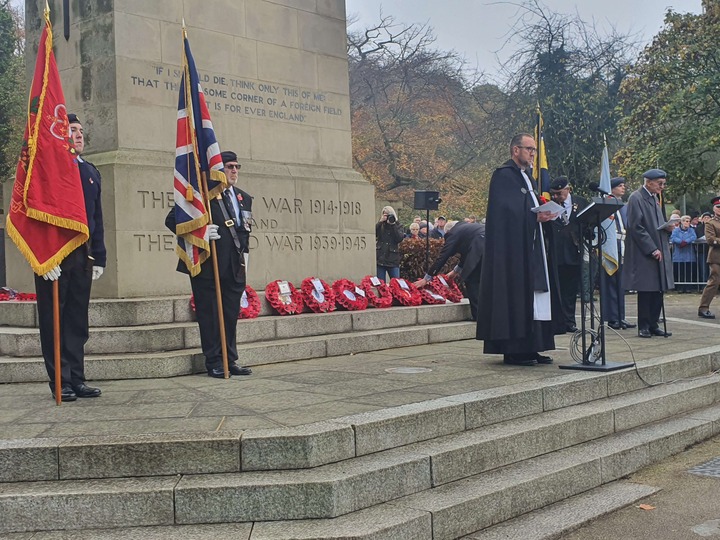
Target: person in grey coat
(648,265)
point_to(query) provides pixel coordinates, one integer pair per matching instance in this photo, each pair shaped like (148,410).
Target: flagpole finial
(184,28)
(47,9)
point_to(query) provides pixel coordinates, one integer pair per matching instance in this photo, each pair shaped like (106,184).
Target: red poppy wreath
(446,287)
(429,296)
(377,291)
(249,304)
(317,295)
(349,296)
(405,292)
(284,297)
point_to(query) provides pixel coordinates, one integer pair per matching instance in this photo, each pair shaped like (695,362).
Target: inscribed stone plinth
(276,79)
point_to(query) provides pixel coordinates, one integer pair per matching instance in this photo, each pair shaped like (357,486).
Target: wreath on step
(405,293)
(249,304)
(284,298)
(446,287)
(317,295)
(349,296)
(377,291)
(429,296)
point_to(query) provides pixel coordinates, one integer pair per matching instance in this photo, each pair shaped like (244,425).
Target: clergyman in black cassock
(515,306)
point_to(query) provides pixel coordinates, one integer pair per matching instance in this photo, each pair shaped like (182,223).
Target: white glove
(213,233)
(97,272)
(53,274)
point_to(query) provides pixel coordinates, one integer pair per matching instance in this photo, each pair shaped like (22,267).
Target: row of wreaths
(317,296)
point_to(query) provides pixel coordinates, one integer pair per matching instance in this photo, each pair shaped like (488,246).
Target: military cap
(715,200)
(705,214)
(615,182)
(73,119)
(228,156)
(442,217)
(654,174)
(561,182)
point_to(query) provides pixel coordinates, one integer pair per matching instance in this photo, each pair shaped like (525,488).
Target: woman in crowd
(683,256)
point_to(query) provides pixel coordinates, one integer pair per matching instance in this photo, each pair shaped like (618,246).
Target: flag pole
(56,341)
(216,275)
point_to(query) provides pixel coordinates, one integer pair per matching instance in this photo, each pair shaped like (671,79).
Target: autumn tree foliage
(13,91)
(415,125)
(671,102)
(574,72)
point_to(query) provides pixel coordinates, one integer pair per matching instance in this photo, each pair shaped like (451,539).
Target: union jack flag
(197,151)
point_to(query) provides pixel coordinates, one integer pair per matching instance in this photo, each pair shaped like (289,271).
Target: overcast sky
(477,29)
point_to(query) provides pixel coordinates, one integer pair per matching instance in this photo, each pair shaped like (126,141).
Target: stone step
(18,341)
(472,504)
(345,494)
(159,362)
(561,518)
(453,453)
(165,310)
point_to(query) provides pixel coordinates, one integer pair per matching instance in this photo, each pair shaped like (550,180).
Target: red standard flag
(47,218)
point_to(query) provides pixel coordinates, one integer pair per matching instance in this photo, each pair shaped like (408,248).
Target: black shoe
(239,370)
(615,325)
(571,328)
(217,373)
(542,359)
(626,324)
(514,361)
(706,314)
(644,333)
(66,394)
(660,332)
(83,390)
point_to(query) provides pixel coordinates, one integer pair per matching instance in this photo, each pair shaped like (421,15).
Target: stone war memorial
(275,77)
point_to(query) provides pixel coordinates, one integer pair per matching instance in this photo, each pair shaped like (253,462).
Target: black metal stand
(427,240)
(590,218)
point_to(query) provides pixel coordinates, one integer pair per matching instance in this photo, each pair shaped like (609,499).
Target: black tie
(229,204)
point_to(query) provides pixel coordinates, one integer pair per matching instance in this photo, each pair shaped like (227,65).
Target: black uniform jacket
(231,262)
(90,178)
(565,241)
(467,239)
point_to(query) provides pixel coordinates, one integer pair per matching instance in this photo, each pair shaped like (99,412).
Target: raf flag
(197,155)
(610,246)
(540,165)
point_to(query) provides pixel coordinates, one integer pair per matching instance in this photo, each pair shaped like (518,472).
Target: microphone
(594,186)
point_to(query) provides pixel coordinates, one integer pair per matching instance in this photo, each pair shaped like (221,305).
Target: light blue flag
(610,246)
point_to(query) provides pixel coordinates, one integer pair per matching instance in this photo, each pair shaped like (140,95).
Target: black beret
(228,156)
(73,119)
(561,182)
(615,182)
(442,217)
(705,214)
(654,174)
(715,200)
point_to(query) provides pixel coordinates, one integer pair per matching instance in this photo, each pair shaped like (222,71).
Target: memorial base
(608,366)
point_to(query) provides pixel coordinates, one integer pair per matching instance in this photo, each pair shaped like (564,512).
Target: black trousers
(569,278)
(75,283)
(206,313)
(649,305)
(472,287)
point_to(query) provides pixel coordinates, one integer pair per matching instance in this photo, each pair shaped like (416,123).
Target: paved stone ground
(307,391)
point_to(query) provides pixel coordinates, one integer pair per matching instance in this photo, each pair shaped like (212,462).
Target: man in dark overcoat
(231,252)
(515,283)
(566,250)
(467,239)
(648,264)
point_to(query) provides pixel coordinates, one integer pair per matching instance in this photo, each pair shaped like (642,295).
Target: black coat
(90,178)
(513,266)
(565,242)
(231,262)
(387,239)
(467,239)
